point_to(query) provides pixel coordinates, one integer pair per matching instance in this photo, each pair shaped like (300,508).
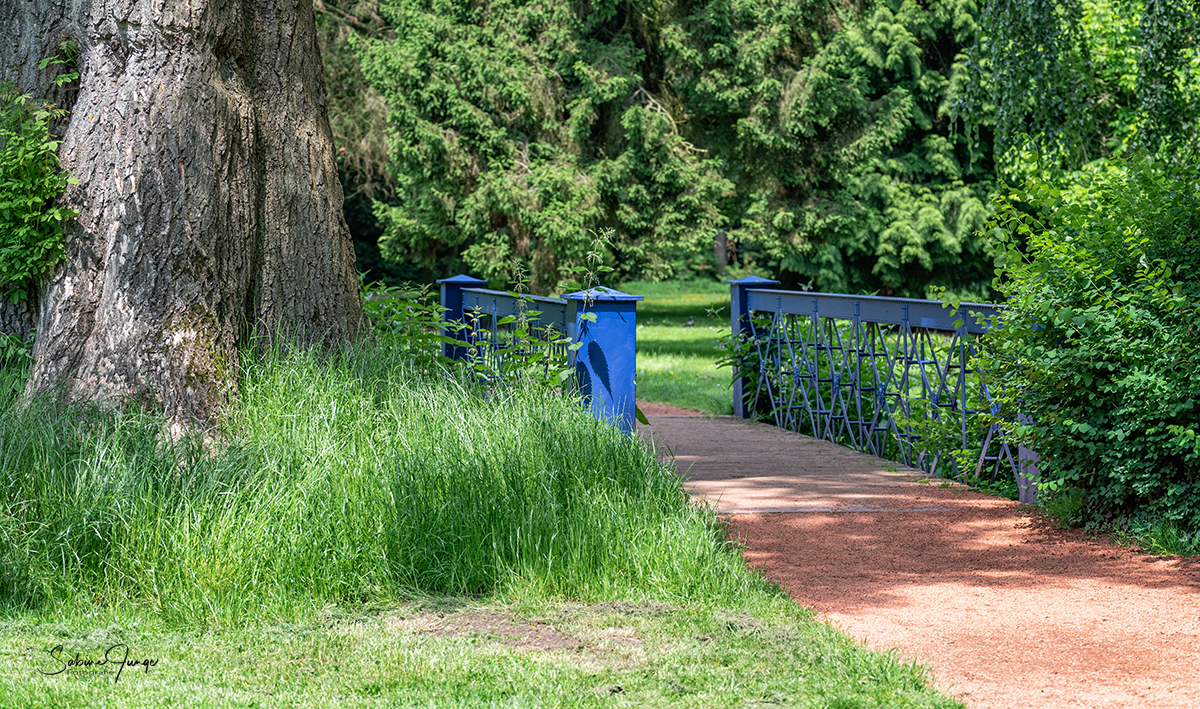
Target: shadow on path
(1006,608)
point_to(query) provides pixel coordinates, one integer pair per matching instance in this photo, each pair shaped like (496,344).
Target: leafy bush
(1099,345)
(32,237)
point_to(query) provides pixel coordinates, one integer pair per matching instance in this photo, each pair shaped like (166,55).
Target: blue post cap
(463,280)
(600,293)
(752,281)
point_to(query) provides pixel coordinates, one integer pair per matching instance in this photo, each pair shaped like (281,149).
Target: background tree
(358,118)
(853,147)
(208,200)
(1096,78)
(816,139)
(517,128)
(834,124)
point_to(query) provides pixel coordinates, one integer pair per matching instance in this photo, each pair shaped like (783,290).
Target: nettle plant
(408,320)
(527,350)
(32,223)
(520,351)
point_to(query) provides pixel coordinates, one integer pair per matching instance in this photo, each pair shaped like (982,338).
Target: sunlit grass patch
(677,362)
(459,652)
(677,366)
(673,303)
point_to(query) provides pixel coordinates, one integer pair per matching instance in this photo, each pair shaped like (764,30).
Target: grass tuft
(348,479)
(1160,539)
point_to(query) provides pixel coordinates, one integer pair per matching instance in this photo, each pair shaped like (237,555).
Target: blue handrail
(866,371)
(601,322)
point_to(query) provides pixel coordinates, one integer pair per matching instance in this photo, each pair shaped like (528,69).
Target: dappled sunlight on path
(1007,610)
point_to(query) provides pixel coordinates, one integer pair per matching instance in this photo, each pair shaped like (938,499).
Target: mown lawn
(677,363)
(459,652)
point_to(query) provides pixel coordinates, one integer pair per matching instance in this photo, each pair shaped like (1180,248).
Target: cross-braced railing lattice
(886,376)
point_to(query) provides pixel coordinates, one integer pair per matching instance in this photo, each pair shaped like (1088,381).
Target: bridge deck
(1005,608)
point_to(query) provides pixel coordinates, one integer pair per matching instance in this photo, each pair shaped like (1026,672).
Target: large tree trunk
(209,200)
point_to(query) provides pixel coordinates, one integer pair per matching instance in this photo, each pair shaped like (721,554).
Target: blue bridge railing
(886,376)
(595,330)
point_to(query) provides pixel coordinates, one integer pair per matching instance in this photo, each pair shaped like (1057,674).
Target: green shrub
(32,234)
(1099,344)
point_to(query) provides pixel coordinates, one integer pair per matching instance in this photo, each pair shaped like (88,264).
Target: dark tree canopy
(815,139)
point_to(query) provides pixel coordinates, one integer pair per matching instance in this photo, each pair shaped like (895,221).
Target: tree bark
(209,199)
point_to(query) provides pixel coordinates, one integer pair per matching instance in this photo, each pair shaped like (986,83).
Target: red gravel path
(1007,609)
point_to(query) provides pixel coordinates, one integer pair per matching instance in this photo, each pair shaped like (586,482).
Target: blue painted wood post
(453,310)
(739,323)
(606,362)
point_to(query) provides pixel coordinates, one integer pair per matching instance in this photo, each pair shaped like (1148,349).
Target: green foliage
(32,226)
(518,128)
(1168,82)
(521,351)
(1099,343)
(834,125)
(16,358)
(1160,539)
(818,138)
(357,112)
(517,349)
(408,322)
(1087,78)
(1029,60)
(67,59)
(347,478)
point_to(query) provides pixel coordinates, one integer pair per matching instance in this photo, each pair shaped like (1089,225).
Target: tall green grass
(340,479)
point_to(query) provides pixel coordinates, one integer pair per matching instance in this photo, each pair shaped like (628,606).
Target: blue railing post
(739,322)
(1029,474)
(452,289)
(606,361)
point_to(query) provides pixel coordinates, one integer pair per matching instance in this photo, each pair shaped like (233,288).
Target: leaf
(641,417)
